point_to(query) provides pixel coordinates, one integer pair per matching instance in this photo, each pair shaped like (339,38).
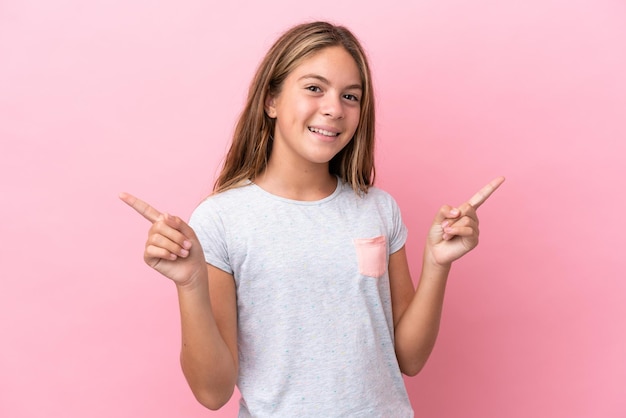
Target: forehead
(332,63)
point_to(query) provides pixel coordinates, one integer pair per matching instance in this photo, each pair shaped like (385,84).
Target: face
(317,110)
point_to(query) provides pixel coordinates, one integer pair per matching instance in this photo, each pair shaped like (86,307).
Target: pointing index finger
(484,193)
(141,207)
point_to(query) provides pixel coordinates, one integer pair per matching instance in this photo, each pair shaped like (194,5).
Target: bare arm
(417,315)
(207,302)
(208,357)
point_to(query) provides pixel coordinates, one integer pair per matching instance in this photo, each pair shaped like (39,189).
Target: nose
(332,106)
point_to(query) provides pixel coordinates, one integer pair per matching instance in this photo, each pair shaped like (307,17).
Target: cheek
(354,118)
(303,110)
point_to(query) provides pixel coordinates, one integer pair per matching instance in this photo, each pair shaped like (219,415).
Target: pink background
(103,96)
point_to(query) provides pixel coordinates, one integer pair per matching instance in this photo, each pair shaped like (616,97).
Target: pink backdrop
(105,96)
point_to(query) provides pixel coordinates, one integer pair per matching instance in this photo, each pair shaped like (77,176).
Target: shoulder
(377,196)
(378,193)
(224,202)
(230,196)
(376,202)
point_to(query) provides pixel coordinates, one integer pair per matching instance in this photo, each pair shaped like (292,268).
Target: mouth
(324,132)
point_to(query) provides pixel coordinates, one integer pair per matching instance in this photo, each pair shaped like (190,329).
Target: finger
(164,243)
(180,225)
(448,213)
(462,229)
(154,253)
(169,227)
(461,232)
(484,193)
(140,206)
(467,210)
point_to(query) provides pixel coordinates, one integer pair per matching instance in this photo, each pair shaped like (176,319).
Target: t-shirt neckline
(328,198)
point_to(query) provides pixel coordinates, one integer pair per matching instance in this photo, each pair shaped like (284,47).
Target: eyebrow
(325,81)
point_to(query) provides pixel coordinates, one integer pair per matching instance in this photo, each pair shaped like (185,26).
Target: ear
(270,106)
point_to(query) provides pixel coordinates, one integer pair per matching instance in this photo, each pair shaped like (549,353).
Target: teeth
(323,132)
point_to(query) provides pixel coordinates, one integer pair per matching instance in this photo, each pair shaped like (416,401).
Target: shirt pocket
(371,254)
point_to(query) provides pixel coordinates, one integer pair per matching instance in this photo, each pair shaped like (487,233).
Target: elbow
(412,360)
(412,363)
(211,404)
(212,394)
(412,369)
(211,390)
(212,400)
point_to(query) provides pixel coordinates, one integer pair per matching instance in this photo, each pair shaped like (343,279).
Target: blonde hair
(252,144)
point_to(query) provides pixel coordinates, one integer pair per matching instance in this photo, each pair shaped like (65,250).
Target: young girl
(292,277)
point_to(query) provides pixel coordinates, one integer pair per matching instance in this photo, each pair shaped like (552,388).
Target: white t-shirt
(315,327)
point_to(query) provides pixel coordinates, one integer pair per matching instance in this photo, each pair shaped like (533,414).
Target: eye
(351,97)
(314,89)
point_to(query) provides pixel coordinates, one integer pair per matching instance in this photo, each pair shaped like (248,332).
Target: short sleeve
(209,228)
(399,232)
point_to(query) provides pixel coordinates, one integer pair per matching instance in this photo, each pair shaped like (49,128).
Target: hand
(454,231)
(172,247)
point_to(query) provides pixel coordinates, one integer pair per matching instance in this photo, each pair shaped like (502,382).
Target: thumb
(180,225)
(446,212)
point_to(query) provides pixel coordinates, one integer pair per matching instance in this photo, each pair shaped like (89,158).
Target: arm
(417,315)
(207,302)
(208,357)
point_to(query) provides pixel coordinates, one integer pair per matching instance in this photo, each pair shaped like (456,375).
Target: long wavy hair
(252,140)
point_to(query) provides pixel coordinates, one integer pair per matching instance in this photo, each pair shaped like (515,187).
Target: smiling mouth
(323,132)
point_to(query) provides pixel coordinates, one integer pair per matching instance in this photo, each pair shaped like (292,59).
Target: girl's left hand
(454,231)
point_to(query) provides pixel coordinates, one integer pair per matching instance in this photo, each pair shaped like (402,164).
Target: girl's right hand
(172,247)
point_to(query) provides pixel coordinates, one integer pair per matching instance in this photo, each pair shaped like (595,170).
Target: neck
(306,183)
